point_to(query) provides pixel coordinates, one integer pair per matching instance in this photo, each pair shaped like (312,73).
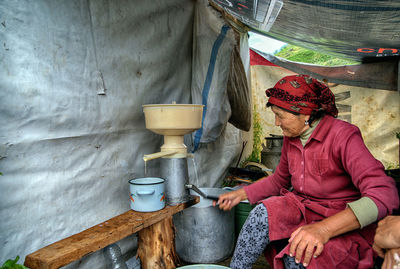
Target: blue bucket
(147,194)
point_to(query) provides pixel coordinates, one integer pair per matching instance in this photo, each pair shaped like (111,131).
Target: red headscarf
(302,94)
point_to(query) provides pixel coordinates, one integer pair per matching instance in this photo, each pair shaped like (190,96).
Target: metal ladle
(206,196)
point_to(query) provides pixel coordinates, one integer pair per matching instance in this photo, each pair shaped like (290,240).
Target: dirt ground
(261,263)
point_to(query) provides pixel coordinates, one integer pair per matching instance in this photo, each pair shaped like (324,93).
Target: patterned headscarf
(302,94)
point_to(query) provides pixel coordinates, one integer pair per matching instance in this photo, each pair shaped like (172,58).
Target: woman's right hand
(228,200)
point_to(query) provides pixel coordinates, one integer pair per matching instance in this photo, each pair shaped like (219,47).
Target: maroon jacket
(334,168)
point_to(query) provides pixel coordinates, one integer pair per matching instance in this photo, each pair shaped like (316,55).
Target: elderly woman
(339,189)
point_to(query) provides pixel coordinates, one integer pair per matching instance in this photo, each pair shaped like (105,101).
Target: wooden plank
(97,237)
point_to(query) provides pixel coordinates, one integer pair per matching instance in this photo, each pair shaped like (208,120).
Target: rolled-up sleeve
(365,210)
(367,173)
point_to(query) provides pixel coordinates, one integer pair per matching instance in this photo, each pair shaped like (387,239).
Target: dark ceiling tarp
(379,75)
(360,30)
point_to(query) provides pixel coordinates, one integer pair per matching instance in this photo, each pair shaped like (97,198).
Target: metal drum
(204,233)
(271,153)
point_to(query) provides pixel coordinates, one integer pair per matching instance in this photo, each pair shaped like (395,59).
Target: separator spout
(160,154)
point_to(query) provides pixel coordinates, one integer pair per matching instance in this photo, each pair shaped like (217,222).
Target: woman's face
(291,125)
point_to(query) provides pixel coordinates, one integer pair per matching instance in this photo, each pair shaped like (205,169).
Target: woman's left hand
(392,259)
(309,241)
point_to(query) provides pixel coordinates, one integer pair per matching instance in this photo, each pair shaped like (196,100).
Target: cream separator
(173,121)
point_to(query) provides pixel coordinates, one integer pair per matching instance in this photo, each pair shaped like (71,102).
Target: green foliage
(398,135)
(302,55)
(255,155)
(389,166)
(12,264)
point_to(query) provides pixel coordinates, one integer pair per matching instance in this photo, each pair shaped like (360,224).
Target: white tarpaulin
(74,77)
(375,112)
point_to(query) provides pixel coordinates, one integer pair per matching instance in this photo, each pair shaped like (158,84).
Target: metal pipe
(113,256)
(160,154)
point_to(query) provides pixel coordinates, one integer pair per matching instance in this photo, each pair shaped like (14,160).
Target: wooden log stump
(157,246)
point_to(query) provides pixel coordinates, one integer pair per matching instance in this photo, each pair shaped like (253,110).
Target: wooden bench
(97,237)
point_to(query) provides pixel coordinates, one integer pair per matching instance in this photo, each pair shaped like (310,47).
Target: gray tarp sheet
(74,77)
(212,49)
(361,30)
(376,112)
(211,65)
(377,75)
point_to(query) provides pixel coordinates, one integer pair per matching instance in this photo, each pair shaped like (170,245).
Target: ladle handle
(193,187)
(212,197)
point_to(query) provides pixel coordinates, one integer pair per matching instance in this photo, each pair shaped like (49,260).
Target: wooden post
(157,246)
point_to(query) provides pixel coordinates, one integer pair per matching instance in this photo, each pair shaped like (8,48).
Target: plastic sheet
(74,77)
(239,93)
(375,112)
(213,44)
(378,75)
(69,143)
(361,30)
